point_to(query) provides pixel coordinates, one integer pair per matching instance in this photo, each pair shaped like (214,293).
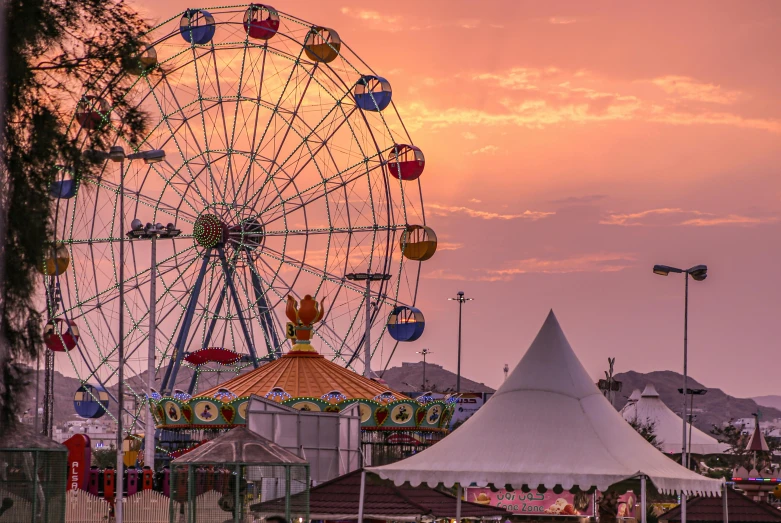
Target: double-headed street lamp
(698,273)
(368,277)
(117,154)
(424,352)
(152,231)
(461,300)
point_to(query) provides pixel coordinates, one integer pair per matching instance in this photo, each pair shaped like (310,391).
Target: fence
(32,485)
(224,492)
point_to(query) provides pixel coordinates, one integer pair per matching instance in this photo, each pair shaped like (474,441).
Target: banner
(547,504)
(533,502)
(79,460)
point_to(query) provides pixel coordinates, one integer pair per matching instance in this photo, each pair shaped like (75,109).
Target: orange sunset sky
(569,147)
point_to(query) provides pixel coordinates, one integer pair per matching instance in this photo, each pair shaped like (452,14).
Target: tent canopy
(668,425)
(741,510)
(549,425)
(338,499)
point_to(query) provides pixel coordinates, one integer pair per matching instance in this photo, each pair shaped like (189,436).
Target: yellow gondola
(418,242)
(322,44)
(56,262)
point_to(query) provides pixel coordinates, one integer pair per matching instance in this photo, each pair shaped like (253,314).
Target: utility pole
(424,352)
(461,300)
(368,277)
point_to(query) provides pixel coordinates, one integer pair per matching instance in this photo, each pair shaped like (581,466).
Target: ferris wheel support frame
(172,371)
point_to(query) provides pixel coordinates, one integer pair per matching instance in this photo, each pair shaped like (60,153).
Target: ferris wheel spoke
(167,87)
(206,152)
(128,285)
(256,151)
(334,187)
(232,140)
(332,230)
(323,143)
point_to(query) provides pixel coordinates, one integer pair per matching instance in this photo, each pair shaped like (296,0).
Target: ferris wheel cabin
(261,21)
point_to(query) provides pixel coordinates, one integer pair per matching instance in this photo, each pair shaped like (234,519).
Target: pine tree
(55,52)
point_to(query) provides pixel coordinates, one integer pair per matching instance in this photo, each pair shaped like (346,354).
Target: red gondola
(261,21)
(406,162)
(60,335)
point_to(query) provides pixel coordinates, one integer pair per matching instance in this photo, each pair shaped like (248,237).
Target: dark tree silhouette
(56,51)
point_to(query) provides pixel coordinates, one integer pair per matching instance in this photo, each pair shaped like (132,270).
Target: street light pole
(460,299)
(368,277)
(698,273)
(424,352)
(117,154)
(151,232)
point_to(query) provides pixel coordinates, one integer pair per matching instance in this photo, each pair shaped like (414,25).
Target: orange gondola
(418,242)
(322,44)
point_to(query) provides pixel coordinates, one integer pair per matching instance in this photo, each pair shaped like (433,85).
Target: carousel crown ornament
(302,317)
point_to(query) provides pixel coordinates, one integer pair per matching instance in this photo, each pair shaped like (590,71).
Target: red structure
(79,457)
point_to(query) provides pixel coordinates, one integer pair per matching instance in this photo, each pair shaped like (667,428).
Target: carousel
(393,425)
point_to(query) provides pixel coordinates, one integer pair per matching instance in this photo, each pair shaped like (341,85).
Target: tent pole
(458,503)
(643,500)
(362,495)
(726,508)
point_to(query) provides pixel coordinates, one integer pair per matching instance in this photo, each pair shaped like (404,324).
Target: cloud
(379,21)
(561,20)
(675,216)
(449,246)
(594,262)
(475,200)
(577,200)
(488,149)
(446,210)
(469,136)
(690,89)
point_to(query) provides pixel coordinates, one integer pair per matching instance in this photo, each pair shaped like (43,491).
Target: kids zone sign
(546,504)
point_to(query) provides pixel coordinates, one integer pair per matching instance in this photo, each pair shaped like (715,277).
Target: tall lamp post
(698,273)
(117,154)
(692,393)
(368,277)
(461,300)
(151,232)
(424,352)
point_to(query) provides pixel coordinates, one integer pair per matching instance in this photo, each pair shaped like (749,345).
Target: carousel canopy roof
(241,445)
(548,424)
(304,374)
(338,500)
(668,425)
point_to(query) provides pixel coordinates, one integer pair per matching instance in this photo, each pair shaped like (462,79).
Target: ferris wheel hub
(232,229)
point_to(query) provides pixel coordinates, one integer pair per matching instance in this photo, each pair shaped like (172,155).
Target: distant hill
(714,408)
(772,401)
(409,378)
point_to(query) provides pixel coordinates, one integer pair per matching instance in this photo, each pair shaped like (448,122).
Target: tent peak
(650,391)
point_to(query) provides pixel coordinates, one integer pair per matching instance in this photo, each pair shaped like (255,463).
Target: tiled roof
(338,499)
(739,507)
(304,374)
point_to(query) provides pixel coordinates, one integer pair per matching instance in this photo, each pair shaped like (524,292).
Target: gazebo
(216,480)
(548,426)
(740,509)
(33,477)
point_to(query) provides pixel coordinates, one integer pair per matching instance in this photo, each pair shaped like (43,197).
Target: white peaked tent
(548,424)
(668,425)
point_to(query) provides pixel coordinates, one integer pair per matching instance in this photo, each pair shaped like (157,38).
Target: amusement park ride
(285,167)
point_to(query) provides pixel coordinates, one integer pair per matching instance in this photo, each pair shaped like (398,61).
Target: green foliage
(104,458)
(647,429)
(737,455)
(57,50)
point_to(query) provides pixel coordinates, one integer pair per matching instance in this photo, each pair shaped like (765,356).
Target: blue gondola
(406,324)
(372,93)
(197,26)
(65,187)
(85,403)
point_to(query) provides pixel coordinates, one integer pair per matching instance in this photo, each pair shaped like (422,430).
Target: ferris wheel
(275,164)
